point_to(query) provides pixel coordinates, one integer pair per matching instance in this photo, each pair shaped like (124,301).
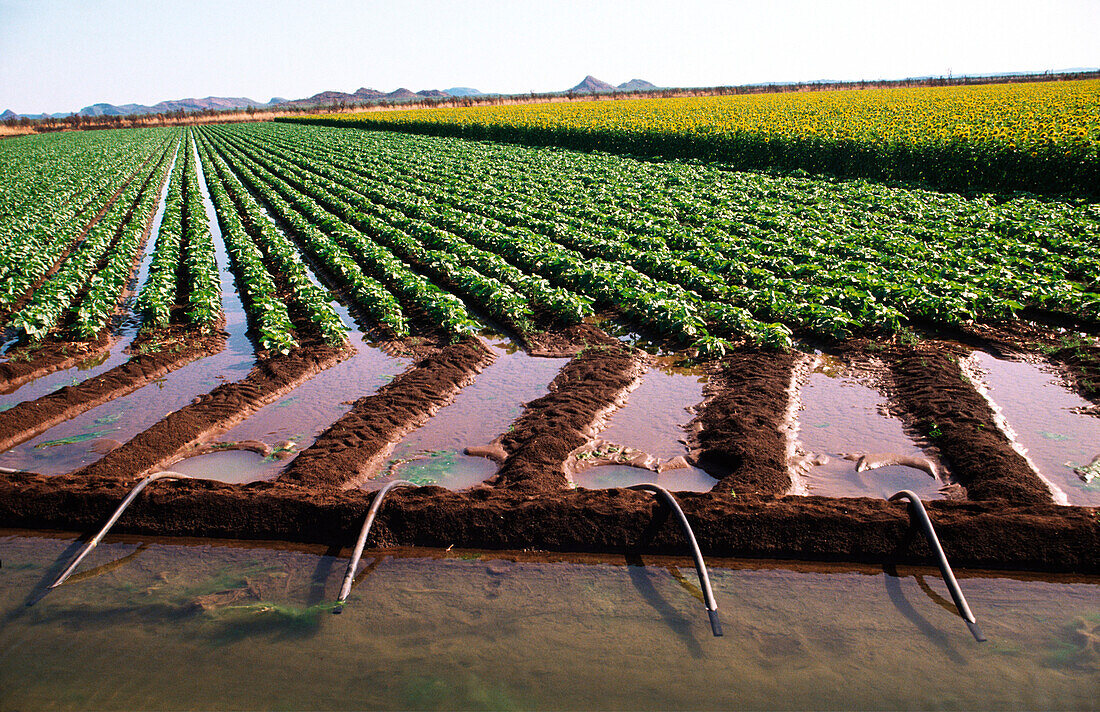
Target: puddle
(87,437)
(233,466)
(481,411)
(126,331)
(689,479)
(461,630)
(840,415)
(1040,410)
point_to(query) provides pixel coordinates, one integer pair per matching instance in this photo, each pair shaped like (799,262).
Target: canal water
(168,624)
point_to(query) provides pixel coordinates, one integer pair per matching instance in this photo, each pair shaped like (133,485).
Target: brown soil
(737,436)
(213,412)
(355,445)
(974,534)
(567,341)
(30,418)
(940,403)
(586,390)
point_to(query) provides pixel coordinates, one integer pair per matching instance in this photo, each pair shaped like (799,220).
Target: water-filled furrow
(293,422)
(1049,423)
(652,422)
(849,444)
(433,453)
(87,437)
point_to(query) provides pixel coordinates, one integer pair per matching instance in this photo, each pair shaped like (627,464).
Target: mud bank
(356,444)
(38,360)
(737,436)
(943,405)
(533,453)
(975,534)
(215,411)
(32,418)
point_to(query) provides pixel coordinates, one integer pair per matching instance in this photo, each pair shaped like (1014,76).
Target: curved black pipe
(700,567)
(919,516)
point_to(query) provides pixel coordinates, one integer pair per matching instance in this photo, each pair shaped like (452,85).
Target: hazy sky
(59,56)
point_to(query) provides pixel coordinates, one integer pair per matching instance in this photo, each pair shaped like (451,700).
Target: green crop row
(257,288)
(367,293)
(56,295)
(659,305)
(160,291)
(105,288)
(829,257)
(204,287)
(498,299)
(444,309)
(280,251)
(31,247)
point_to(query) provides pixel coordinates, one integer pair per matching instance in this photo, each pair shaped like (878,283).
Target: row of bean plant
(270,245)
(56,296)
(822,256)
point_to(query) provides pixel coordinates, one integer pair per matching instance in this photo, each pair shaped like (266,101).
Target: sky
(61,55)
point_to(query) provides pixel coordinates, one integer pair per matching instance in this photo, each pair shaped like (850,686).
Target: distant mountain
(8,114)
(591,85)
(214,103)
(363,95)
(461,91)
(637,85)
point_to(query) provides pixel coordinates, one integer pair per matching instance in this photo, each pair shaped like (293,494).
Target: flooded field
(223,625)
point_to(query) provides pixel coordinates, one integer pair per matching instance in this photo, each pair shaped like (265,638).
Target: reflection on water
(234,466)
(839,416)
(684,479)
(1045,416)
(480,412)
(226,626)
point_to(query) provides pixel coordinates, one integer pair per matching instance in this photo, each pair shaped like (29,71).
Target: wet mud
(941,403)
(534,452)
(214,412)
(992,535)
(739,435)
(31,418)
(356,445)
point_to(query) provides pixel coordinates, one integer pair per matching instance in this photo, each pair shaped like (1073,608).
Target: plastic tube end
(976,632)
(715,624)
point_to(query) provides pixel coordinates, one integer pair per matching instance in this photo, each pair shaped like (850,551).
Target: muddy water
(1046,418)
(840,415)
(432,454)
(234,466)
(157,625)
(125,331)
(86,438)
(653,421)
(294,421)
